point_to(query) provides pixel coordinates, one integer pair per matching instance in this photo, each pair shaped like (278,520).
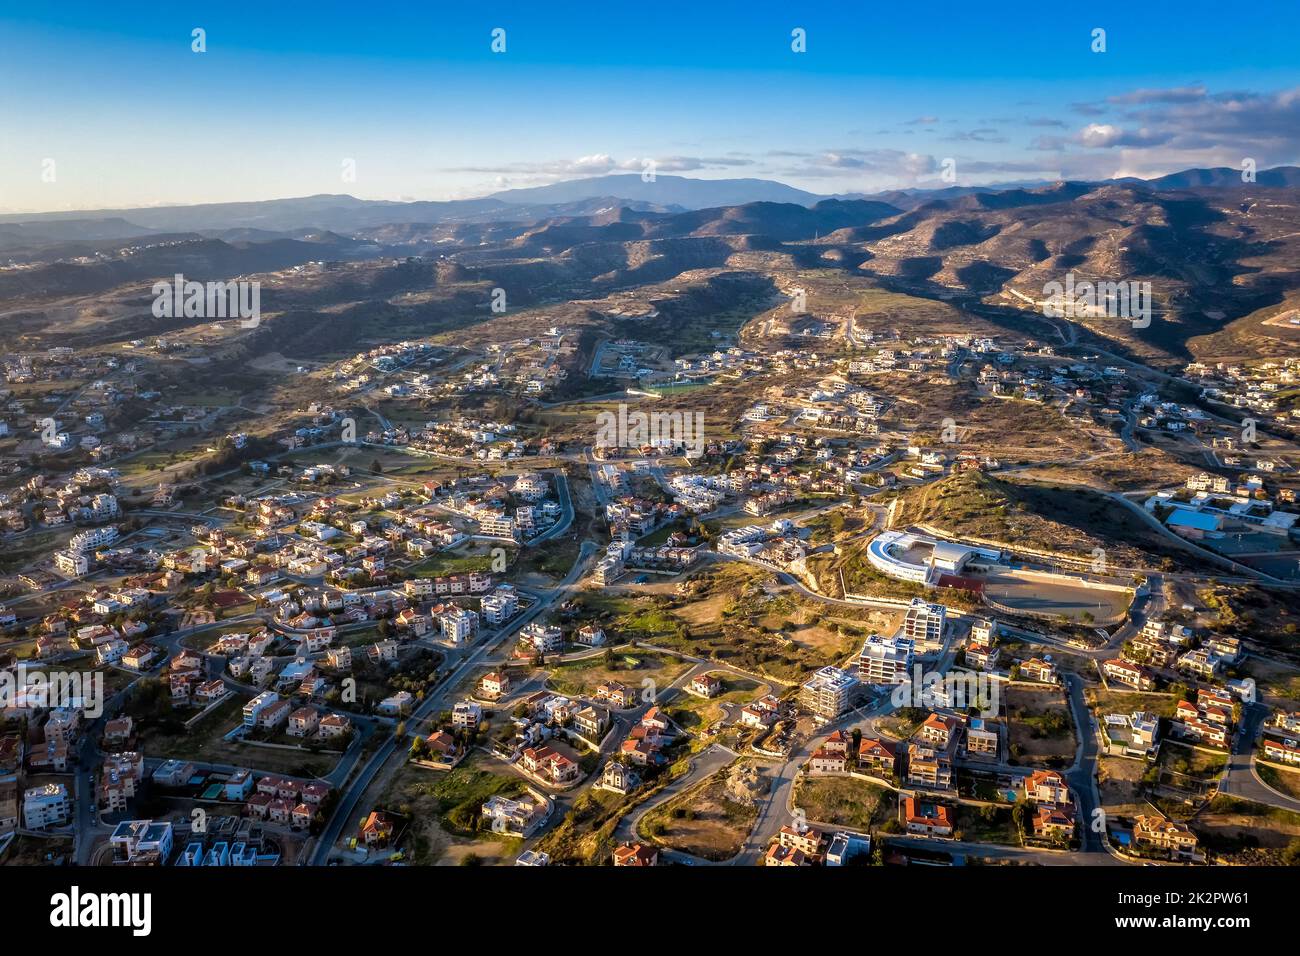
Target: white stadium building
(921,559)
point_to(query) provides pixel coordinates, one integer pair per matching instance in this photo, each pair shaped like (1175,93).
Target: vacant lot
(987,825)
(1041,729)
(552,560)
(1122,471)
(703,822)
(1193,762)
(691,712)
(1119,780)
(1284,781)
(444,810)
(633,668)
(844,802)
(37,851)
(1260,616)
(626,618)
(1241,831)
(833,525)
(586,834)
(476,556)
(818,630)
(1115,701)
(736,616)
(1278,682)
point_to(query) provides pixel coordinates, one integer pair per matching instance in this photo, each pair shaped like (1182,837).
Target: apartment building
(254,708)
(829,693)
(500,605)
(928,767)
(458,624)
(924,623)
(545,638)
(466,715)
(45,806)
(886,660)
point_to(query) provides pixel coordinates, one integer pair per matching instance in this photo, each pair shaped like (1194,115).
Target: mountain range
(1222,256)
(278,218)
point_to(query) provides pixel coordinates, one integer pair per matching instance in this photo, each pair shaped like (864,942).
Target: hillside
(1073,521)
(1221,260)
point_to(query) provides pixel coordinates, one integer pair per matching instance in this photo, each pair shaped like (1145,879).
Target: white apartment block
(500,605)
(829,693)
(886,660)
(458,624)
(92,539)
(924,622)
(253,709)
(72,563)
(498,526)
(45,806)
(609,570)
(545,638)
(466,715)
(984,631)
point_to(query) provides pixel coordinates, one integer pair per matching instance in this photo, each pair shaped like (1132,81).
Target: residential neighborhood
(711,438)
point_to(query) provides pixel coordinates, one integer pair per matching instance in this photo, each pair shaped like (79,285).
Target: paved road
(566,517)
(991,851)
(1082,775)
(89,756)
(703,765)
(1240,779)
(775,812)
(438,700)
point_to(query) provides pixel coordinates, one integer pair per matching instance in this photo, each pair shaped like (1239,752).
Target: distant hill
(669,190)
(1205,262)
(289,217)
(200,258)
(1219,259)
(989,508)
(339,213)
(1279,176)
(80,228)
(603,196)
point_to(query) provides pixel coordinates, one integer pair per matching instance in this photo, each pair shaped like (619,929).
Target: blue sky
(414,95)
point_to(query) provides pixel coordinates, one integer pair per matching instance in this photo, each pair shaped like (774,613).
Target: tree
(1291,855)
(1019,812)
